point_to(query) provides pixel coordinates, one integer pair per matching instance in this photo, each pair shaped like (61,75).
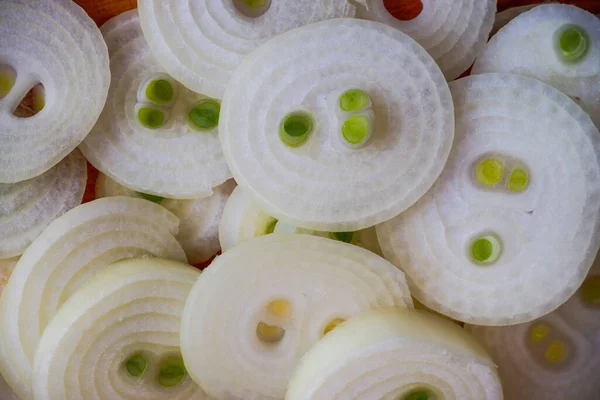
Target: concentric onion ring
(127,314)
(58,45)
(201,43)
(396,354)
(453,32)
(27,207)
(278,295)
(172,160)
(529,46)
(67,253)
(510,229)
(556,357)
(324,183)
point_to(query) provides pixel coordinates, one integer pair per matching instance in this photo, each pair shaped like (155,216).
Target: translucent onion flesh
(130,308)
(324,184)
(454,32)
(71,250)
(173,160)
(59,46)
(396,354)
(201,43)
(27,207)
(278,295)
(540,241)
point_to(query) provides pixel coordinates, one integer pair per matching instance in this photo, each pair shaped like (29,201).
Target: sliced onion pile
(453,32)
(164,157)
(531,45)
(288,105)
(58,45)
(555,357)
(27,207)
(201,43)
(70,251)
(509,231)
(117,337)
(278,295)
(399,354)
(199,218)
(243,219)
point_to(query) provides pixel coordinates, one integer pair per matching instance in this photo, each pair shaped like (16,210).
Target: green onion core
(354,99)
(172,372)
(160,91)
(573,43)
(136,365)
(205,115)
(295,129)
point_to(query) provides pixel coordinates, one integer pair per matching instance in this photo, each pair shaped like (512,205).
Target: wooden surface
(102,10)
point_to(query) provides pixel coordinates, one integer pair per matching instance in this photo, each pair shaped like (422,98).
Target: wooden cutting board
(102,10)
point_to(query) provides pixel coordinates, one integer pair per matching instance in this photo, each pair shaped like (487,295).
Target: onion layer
(117,337)
(284,116)
(145,138)
(531,45)
(58,45)
(555,357)
(27,207)
(454,32)
(278,295)
(201,43)
(510,229)
(396,354)
(67,253)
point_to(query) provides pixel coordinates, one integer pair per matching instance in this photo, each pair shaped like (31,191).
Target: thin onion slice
(396,354)
(277,296)
(6,268)
(453,32)
(201,43)
(243,219)
(529,45)
(117,337)
(172,160)
(316,180)
(556,357)
(510,229)
(58,45)
(67,253)
(27,207)
(199,219)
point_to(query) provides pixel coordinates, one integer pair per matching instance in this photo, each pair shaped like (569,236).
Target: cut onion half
(510,230)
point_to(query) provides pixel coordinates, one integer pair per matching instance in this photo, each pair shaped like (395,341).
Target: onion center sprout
(160,91)
(489,172)
(485,249)
(172,372)
(136,365)
(354,99)
(295,129)
(420,394)
(205,115)
(151,117)
(572,43)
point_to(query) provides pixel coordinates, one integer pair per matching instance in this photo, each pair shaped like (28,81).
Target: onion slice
(396,354)
(117,337)
(510,229)
(454,32)
(338,125)
(243,219)
(145,138)
(199,218)
(27,207)
(558,44)
(59,46)
(201,43)
(67,253)
(555,357)
(278,295)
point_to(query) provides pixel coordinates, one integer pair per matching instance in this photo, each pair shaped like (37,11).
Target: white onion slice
(27,207)
(453,32)
(323,184)
(243,219)
(6,268)
(298,283)
(527,46)
(556,357)
(58,45)
(493,256)
(173,160)
(67,253)
(396,354)
(201,43)
(199,218)
(114,337)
